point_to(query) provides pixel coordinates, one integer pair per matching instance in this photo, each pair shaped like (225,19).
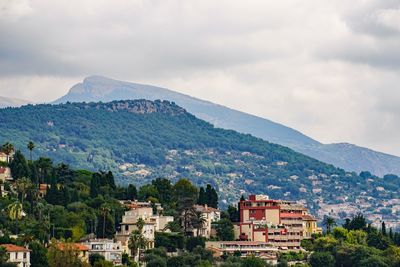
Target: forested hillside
(142,140)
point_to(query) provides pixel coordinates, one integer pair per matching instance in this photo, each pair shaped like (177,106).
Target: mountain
(346,156)
(11,102)
(140,140)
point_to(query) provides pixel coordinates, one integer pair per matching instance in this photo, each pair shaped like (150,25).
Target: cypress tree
(383,228)
(94,185)
(202,197)
(211,196)
(110,180)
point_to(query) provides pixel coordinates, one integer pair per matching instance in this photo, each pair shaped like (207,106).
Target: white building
(210,215)
(110,250)
(152,222)
(18,255)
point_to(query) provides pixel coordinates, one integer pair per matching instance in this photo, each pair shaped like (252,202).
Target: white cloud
(327,68)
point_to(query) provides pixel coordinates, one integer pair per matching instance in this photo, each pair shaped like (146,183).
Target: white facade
(112,251)
(18,255)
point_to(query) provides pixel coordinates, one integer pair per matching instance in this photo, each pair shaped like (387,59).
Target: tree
(202,197)
(147,191)
(105,223)
(93,258)
(225,231)
(197,221)
(38,254)
(211,196)
(319,259)
(22,186)
(94,185)
(131,192)
(185,194)
(3,255)
(19,167)
(252,261)
(194,241)
(8,149)
(233,214)
(15,213)
(136,242)
(328,222)
(30,146)
(63,254)
(383,228)
(164,189)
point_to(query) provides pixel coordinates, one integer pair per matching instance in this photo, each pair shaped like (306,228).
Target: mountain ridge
(140,140)
(99,88)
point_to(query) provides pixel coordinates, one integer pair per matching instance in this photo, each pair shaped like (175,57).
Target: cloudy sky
(330,69)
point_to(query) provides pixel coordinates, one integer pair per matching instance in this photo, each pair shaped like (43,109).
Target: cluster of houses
(265,227)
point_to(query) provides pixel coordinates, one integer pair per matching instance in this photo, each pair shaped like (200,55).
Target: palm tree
(136,242)
(30,146)
(8,149)
(15,213)
(22,186)
(104,210)
(329,222)
(197,221)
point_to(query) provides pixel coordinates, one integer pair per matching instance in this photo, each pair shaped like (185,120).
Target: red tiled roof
(76,246)
(14,248)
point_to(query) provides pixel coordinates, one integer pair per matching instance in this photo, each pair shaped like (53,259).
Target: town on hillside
(52,215)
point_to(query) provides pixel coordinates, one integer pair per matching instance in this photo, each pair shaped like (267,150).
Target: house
(5,174)
(17,255)
(3,157)
(310,226)
(81,250)
(110,250)
(43,189)
(209,215)
(262,250)
(153,221)
(281,223)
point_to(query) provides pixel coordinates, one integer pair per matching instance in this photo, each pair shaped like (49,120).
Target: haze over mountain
(11,102)
(347,156)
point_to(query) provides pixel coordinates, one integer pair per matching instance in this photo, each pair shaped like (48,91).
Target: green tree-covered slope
(140,140)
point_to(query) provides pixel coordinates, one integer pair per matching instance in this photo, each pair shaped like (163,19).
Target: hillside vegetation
(141,140)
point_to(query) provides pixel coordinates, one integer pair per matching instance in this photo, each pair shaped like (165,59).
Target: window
(24,255)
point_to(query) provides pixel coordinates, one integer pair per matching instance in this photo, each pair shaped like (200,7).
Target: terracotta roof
(205,209)
(76,246)
(2,170)
(14,248)
(43,187)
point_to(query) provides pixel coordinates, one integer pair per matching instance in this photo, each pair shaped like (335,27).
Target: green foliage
(224,229)
(170,241)
(193,242)
(319,259)
(252,262)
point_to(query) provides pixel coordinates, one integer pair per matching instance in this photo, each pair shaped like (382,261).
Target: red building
(277,222)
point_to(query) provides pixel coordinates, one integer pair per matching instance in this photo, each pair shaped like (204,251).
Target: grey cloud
(327,68)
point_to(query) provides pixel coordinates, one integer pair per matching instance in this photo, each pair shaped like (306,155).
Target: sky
(330,69)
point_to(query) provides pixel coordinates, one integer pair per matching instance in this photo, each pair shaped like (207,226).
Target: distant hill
(11,102)
(346,156)
(141,140)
